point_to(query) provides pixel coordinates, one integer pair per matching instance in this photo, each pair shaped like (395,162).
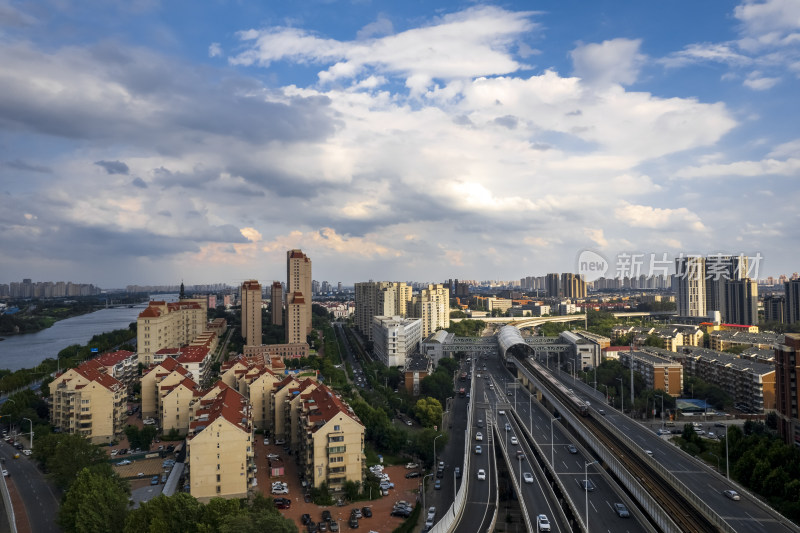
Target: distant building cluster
(201,288)
(46,289)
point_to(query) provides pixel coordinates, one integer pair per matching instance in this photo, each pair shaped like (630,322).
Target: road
(39,497)
(569,467)
(349,357)
(480,508)
(744,515)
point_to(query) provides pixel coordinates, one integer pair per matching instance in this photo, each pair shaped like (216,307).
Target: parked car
(123,462)
(356,512)
(154,480)
(305,518)
(367,512)
(412,465)
(280,490)
(333,526)
(438,484)
(412,474)
(353,522)
(621,510)
(282,503)
(326,516)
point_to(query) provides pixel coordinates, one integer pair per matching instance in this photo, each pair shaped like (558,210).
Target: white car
(479,436)
(5,473)
(542,523)
(280,490)
(501,412)
(412,465)
(266,441)
(27,452)
(514,440)
(481,475)
(527,477)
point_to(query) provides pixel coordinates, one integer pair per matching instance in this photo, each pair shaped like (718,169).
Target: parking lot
(381,521)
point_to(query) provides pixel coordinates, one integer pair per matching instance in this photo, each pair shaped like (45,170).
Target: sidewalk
(20,512)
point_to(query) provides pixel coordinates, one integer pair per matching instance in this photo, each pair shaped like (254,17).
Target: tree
(258,522)
(95,503)
(437,385)
(65,455)
(180,512)
(428,411)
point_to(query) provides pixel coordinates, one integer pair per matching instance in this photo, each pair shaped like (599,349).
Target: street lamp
(586,489)
(552,464)
(423,489)
(31,423)
(435,464)
(621,395)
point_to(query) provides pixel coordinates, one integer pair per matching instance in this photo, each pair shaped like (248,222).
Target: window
(337,428)
(218,478)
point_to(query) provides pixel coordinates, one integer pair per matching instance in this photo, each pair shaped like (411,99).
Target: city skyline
(148,142)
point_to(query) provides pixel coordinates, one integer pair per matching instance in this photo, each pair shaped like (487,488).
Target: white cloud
(612,61)
(645,216)
(769,16)
(474,42)
(214,50)
(765,167)
(699,52)
(596,235)
(758,83)
(378,28)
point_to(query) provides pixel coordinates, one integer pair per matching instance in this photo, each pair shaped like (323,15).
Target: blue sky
(147,142)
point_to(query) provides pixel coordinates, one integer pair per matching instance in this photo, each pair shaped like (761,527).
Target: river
(27,351)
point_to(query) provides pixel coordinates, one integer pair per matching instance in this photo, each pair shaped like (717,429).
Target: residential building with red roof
(167,373)
(331,440)
(169,325)
(89,402)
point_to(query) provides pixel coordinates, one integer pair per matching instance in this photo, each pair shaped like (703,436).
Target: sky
(148,142)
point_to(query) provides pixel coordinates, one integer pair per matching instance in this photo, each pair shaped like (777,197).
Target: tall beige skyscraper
(298,296)
(379,298)
(277,303)
(433,307)
(251,313)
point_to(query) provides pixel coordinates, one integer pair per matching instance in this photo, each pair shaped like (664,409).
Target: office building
(741,297)
(395,338)
(298,296)
(690,286)
(787,391)
(432,307)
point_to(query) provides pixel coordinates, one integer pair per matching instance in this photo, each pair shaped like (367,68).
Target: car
(542,523)
(662,431)
(571,448)
(5,473)
(508,426)
(333,527)
(27,452)
(409,423)
(412,465)
(402,512)
(273,456)
(326,516)
(649,452)
(527,477)
(322,526)
(479,436)
(367,512)
(509,393)
(478,450)
(501,412)
(467,394)
(481,475)
(355,511)
(386,485)
(520,455)
(440,473)
(732,494)
(266,441)
(719,425)
(711,435)
(123,462)
(602,412)
(621,510)
(438,484)
(441,465)
(113,452)
(458,472)
(700,432)
(587,485)
(514,440)
(305,518)
(279,442)
(282,503)
(431,512)
(412,474)
(280,490)
(154,480)
(480,423)
(353,523)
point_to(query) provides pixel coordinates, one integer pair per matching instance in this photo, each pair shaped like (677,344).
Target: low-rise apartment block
(88,402)
(787,391)
(416,369)
(167,373)
(220,451)
(659,372)
(722,340)
(331,440)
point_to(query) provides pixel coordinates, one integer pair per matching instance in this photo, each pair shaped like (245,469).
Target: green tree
(218,510)
(180,512)
(428,411)
(258,522)
(95,503)
(64,455)
(437,385)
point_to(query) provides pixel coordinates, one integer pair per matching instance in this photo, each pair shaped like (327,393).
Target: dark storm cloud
(139,182)
(113,167)
(19,164)
(138,97)
(280,183)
